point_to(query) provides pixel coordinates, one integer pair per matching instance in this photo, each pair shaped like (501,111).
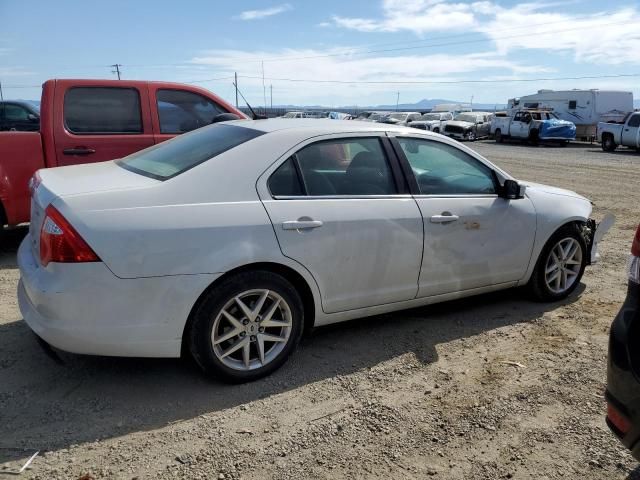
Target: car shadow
(9,242)
(50,406)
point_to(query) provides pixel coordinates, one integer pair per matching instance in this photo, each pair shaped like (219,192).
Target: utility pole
(271,94)
(397,101)
(117,69)
(235,84)
(264,90)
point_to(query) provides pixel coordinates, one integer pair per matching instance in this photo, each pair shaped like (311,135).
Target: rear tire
(498,135)
(560,265)
(238,344)
(534,138)
(608,145)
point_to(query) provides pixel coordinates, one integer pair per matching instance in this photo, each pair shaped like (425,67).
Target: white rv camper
(454,108)
(585,108)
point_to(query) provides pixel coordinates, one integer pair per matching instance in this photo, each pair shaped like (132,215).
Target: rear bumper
(84,308)
(623,375)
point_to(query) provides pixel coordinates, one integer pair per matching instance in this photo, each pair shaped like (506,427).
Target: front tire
(560,266)
(246,327)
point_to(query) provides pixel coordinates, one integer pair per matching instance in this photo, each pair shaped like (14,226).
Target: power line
(440,82)
(117,69)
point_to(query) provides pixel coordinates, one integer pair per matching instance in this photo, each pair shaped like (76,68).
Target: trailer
(585,108)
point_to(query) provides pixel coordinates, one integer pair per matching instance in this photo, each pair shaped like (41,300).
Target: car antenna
(254,115)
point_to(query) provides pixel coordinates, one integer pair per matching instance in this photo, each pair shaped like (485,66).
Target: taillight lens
(634,261)
(618,419)
(59,241)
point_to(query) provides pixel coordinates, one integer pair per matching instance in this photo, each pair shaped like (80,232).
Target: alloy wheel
(563,265)
(251,330)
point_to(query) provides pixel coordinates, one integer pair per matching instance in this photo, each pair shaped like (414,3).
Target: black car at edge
(623,373)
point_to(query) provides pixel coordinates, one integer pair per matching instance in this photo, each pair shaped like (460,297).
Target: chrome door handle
(301,224)
(444,218)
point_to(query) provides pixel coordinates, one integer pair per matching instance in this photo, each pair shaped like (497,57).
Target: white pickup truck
(627,133)
(532,125)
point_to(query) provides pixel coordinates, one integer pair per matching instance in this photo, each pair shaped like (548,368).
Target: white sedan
(232,240)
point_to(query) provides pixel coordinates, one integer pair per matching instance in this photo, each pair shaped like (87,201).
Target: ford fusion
(231,241)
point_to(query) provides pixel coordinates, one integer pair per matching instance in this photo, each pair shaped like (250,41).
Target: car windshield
(398,116)
(465,117)
(178,155)
(431,116)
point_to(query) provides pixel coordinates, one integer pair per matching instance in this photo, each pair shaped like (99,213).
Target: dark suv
(623,374)
(19,116)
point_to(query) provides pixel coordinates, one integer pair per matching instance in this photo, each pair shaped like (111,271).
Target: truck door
(97,122)
(631,132)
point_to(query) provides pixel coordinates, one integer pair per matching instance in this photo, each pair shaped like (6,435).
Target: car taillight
(634,261)
(618,419)
(59,241)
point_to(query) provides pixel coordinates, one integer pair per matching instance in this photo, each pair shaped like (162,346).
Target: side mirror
(33,118)
(512,190)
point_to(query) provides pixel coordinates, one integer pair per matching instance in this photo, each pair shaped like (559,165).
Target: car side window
(285,181)
(517,117)
(180,111)
(15,113)
(634,121)
(441,169)
(102,110)
(349,166)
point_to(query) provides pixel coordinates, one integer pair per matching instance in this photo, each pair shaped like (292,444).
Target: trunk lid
(74,180)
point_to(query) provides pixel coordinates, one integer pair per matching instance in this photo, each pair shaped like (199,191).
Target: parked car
(235,238)
(623,373)
(532,125)
(432,122)
(18,116)
(87,121)
(401,118)
(610,135)
(468,126)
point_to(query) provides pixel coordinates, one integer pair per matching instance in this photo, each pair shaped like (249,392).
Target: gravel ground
(424,393)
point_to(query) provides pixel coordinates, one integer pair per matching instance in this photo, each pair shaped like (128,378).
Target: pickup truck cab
(627,133)
(532,125)
(85,121)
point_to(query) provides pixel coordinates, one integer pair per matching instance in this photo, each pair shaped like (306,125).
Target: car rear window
(178,155)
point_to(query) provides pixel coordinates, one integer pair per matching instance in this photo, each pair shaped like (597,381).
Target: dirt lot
(421,393)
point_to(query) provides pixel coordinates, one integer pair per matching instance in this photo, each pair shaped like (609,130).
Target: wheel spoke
(260,345)
(564,279)
(552,268)
(246,354)
(232,320)
(245,310)
(558,280)
(267,316)
(572,250)
(230,334)
(266,337)
(259,304)
(236,346)
(573,262)
(555,275)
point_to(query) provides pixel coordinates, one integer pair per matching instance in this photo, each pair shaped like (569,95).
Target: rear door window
(180,111)
(173,157)
(102,111)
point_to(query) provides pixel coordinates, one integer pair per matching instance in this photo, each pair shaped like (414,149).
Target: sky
(327,52)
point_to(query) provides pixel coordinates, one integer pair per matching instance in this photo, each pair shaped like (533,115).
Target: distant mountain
(424,104)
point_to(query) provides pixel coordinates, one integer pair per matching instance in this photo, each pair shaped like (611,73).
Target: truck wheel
(436,130)
(608,145)
(498,136)
(533,137)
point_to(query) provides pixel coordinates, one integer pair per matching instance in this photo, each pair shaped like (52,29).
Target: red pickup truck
(84,121)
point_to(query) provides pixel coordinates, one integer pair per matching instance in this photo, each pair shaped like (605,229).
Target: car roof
(319,125)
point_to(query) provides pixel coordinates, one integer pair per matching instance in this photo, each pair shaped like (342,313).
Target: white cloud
(267,12)
(407,68)
(417,16)
(607,37)
(603,38)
